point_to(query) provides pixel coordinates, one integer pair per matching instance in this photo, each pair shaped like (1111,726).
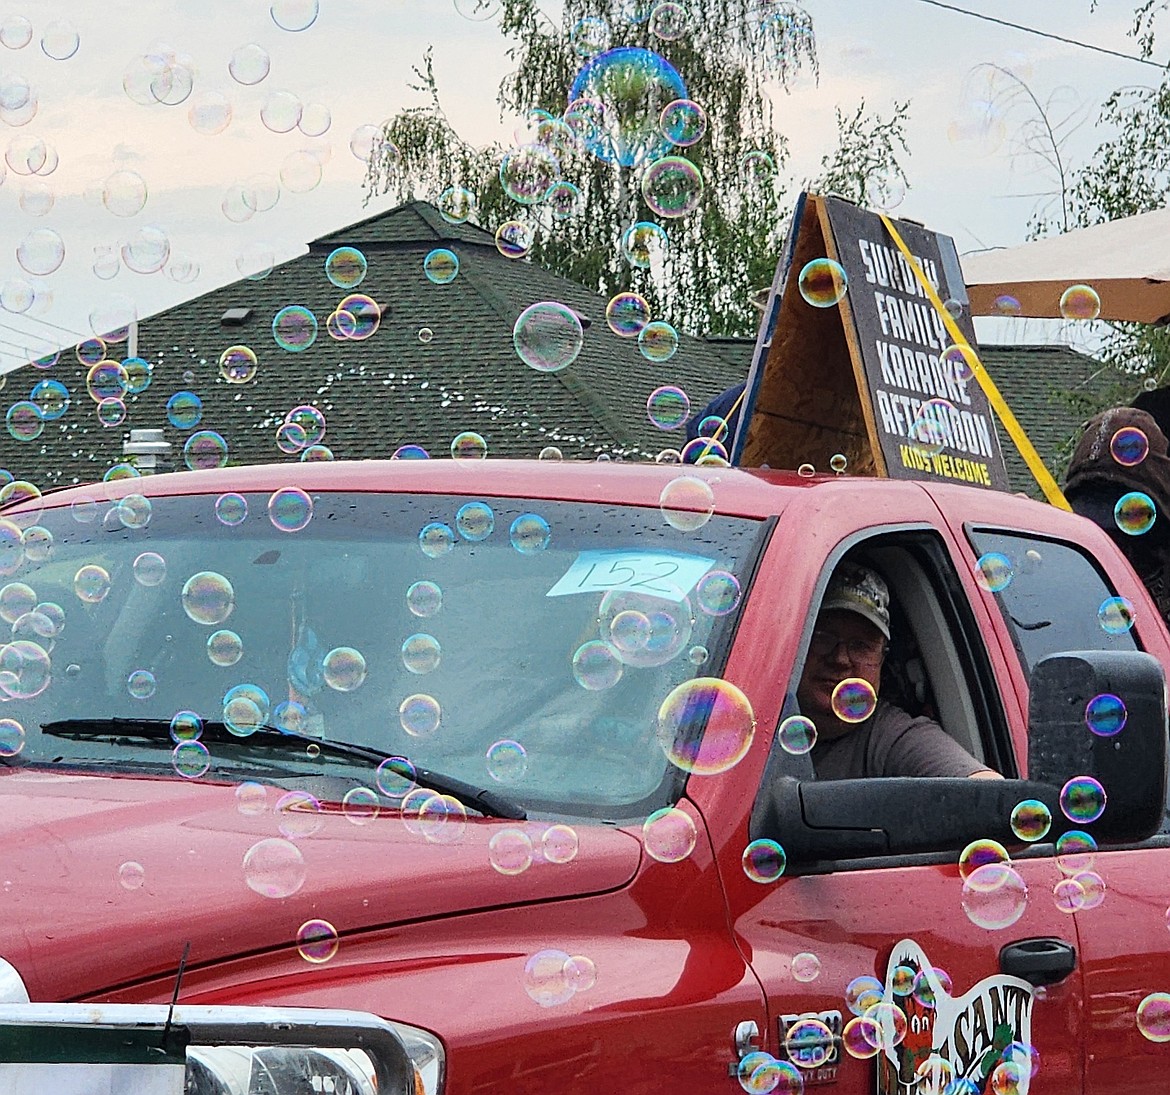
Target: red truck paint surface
(432,936)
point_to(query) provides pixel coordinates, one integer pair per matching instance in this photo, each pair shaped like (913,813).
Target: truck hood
(75,924)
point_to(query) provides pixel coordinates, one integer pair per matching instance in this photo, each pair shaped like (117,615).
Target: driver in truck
(850,640)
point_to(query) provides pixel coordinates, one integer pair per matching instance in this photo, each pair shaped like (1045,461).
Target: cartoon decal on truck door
(967,1035)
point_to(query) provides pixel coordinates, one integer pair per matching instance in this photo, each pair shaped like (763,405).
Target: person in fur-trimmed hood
(1112,459)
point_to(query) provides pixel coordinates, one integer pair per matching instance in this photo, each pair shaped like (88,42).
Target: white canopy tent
(1126,261)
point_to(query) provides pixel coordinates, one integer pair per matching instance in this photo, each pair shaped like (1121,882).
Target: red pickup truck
(453,777)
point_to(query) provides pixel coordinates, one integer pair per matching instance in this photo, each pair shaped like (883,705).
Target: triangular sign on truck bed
(853,378)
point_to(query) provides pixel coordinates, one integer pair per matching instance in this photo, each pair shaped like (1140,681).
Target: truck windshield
(519,645)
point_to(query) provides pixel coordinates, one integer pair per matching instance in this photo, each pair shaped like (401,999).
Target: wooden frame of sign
(858,377)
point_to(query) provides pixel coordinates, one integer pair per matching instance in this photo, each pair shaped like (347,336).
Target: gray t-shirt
(893,743)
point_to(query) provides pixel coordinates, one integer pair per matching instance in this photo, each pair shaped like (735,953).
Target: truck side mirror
(1129,761)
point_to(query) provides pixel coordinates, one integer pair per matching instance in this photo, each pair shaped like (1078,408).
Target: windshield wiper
(481,799)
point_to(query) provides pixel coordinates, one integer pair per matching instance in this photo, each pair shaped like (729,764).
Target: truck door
(828,939)
(1054,602)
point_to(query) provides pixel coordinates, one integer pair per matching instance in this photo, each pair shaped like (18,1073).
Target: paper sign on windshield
(663,574)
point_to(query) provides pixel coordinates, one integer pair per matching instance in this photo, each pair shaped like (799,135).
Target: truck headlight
(248,1050)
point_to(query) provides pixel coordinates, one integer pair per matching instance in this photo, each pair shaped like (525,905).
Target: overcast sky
(355,60)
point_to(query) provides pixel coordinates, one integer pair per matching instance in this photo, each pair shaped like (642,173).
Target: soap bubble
(668,21)
(658,341)
(421,653)
(294,328)
(1135,513)
(545,981)
(994,896)
(210,113)
(436,539)
(643,244)
(456,204)
(475,521)
(687,503)
(979,853)
(626,314)
(564,199)
(249,64)
(528,172)
(1153,1017)
(1129,446)
(808,1043)
(853,700)
(529,533)
(590,36)
(885,191)
(797,735)
(629,87)
(672,186)
(281,111)
(41,252)
(344,669)
(669,835)
(683,122)
(294,15)
(208,598)
(706,726)
(468,445)
(931,431)
(514,239)
(124,193)
(60,40)
(346,267)
(1105,715)
(993,571)
(15,31)
(205,449)
(596,665)
(1075,851)
(224,648)
(1082,799)
(11,737)
(507,761)
(424,599)
(190,759)
(441,266)
(764,861)
(1116,615)
(290,509)
(274,868)
(823,283)
(560,844)
(147,250)
(862,993)
(510,851)
(1080,302)
(548,336)
(668,407)
(1031,820)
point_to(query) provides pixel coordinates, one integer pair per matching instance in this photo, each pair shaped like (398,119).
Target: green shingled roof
(391,389)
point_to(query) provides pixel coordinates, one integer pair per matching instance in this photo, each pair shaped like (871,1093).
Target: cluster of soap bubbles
(513,851)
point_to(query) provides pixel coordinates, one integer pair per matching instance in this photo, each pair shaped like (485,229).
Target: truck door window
(1053,596)
(935,665)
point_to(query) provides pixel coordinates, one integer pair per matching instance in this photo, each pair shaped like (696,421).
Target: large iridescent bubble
(627,88)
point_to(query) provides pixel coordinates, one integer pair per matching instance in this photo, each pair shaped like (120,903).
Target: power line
(1044,33)
(44,322)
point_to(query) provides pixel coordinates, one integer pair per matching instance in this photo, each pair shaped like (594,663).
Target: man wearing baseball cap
(849,642)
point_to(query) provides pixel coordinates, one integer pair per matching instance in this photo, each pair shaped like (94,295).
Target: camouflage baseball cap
(856,588)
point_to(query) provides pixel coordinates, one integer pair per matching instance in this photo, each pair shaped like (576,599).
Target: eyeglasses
(825,643)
